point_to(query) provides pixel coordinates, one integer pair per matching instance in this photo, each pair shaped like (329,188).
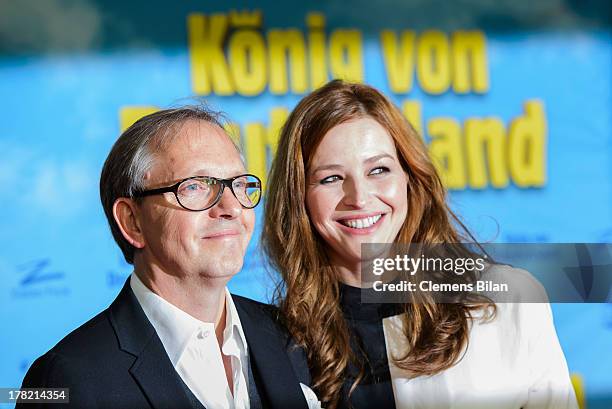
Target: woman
(349,170)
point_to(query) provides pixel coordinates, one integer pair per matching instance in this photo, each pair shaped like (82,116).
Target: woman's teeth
(361,223)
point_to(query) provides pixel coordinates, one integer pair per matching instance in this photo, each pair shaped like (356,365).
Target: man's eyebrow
(201,172)
(205,172)
(334,166)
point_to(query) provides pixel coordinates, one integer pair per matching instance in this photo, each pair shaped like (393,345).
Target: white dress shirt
(514,361)
(194,351)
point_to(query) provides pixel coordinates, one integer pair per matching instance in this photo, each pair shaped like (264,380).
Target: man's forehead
(201,134)
(199,148)
(200,131)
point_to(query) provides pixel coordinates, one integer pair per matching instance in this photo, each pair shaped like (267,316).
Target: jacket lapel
(268,355)
(152,368)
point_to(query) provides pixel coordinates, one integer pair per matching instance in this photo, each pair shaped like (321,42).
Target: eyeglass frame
(224,183)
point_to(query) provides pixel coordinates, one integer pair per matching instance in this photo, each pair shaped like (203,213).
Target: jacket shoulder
(90,338)
(78,356)
(251,306)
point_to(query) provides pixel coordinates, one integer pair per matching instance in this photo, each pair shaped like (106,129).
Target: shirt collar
(234,341)
(175,327)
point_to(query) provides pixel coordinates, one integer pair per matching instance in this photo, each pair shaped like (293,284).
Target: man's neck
(201,298)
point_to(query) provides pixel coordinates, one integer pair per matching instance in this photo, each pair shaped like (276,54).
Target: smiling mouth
(222,234)
(362,223)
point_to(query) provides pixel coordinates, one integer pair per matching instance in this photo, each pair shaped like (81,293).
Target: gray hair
(132,156)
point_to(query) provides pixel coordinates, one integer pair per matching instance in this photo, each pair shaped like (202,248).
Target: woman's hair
(309,295)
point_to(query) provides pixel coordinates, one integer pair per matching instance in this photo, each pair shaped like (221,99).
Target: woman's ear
(127,217)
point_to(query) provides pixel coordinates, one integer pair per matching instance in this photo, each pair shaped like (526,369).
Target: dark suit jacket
(116,360)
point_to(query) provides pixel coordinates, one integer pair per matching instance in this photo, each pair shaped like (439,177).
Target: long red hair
(308,296)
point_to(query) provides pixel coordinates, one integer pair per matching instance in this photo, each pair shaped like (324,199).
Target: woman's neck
(348,272)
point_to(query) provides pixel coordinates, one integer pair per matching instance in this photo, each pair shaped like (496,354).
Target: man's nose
(355,193)
(228,206)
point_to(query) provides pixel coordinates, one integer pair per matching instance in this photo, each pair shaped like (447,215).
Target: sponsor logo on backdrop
(38,278)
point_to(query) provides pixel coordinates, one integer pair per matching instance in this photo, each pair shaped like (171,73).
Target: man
(180,207)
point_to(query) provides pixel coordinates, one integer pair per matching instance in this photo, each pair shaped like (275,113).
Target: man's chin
(227,269)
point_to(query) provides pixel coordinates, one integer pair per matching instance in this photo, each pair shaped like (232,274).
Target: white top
(193,349)
(514,361)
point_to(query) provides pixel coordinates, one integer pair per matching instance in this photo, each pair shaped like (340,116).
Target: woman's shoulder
(524,307)
(508,284)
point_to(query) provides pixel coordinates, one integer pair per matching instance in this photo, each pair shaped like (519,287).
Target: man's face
(209,243)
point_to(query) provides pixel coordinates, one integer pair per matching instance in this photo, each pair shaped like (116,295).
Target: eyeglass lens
(201,193)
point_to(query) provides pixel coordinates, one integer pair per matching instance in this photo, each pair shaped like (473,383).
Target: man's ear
(127,217)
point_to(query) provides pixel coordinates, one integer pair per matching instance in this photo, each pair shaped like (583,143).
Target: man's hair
(133,154)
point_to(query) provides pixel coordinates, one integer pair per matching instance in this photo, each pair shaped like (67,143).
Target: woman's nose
(355,193)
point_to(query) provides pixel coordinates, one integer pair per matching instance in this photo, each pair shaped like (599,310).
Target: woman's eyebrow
(378,157)
(332,166)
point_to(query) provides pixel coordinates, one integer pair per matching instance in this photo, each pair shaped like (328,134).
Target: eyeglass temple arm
(155,191)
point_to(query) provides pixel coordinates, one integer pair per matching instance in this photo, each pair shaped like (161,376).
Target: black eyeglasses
(199,193)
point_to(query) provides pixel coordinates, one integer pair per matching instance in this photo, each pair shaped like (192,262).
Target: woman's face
(356,189)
